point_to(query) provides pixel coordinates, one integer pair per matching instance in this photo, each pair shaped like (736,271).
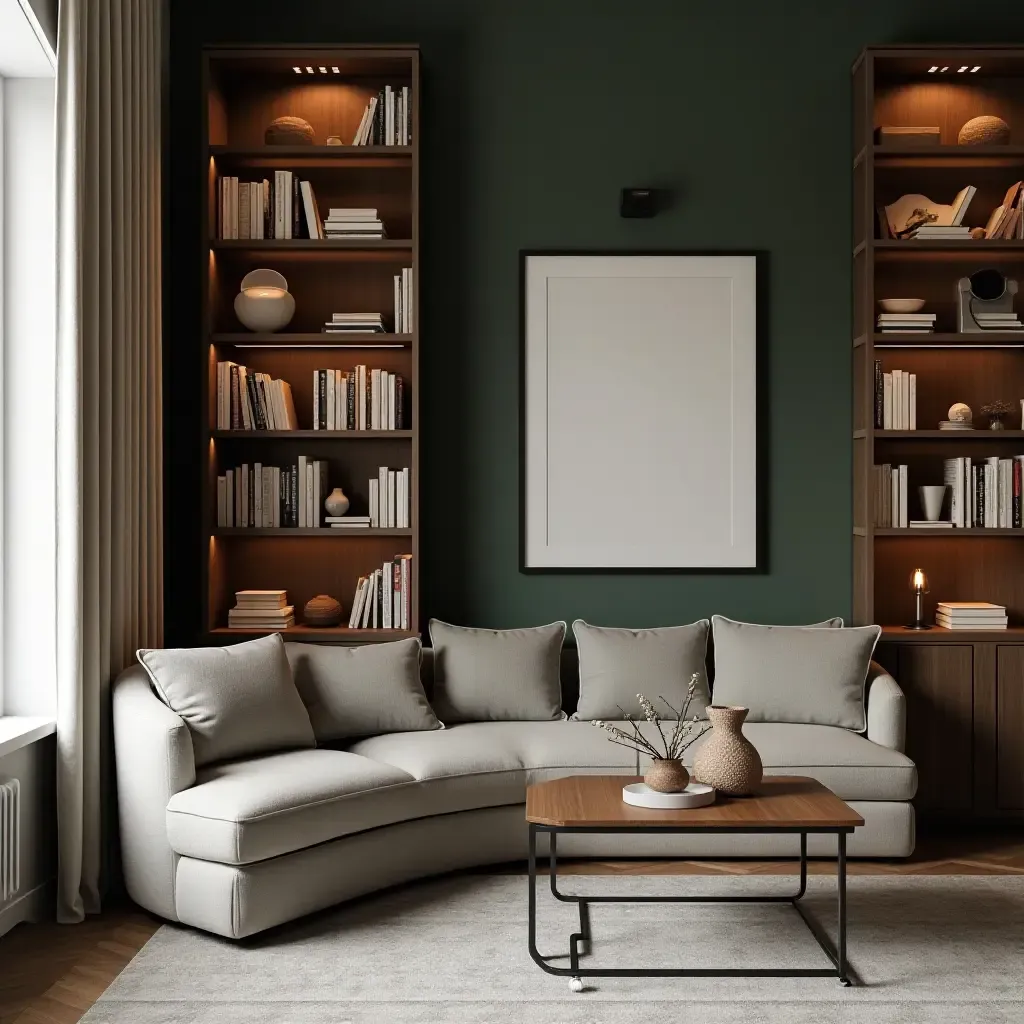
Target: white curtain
(109,584)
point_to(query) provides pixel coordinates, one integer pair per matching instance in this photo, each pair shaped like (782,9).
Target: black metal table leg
(841,935)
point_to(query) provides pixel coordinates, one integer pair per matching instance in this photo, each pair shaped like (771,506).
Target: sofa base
(236,901)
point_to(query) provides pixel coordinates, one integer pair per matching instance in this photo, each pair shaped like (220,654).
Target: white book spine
(257,497)
(300,496)
(905,400)
(887,401)
(374,504)
(913,402)
(399,327)
(375,400)
(222,492)
(316,400)
(331,425)
(391,499)
(386,586)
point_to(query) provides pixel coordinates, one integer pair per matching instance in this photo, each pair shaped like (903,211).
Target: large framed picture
(639,418)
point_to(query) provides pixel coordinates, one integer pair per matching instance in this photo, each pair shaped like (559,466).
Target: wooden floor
(52,974)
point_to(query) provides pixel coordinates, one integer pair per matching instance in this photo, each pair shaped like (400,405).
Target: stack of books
(906,323)
(997,321)
(358,399)
(890,491)
(942,232)
(895,399)
(403,302)
(353,222)
(389,499)
(970,615)
(261,609)
(354,323)
(348,522)
(247,400)
(383,599)
(387,119)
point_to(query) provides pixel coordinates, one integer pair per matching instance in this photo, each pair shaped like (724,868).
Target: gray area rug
(453,951)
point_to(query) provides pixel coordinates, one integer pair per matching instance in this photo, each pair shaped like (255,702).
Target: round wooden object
(987,130)
(288,131)
(322,611)
(667,776)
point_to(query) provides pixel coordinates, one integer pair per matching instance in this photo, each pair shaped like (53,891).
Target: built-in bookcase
(943,87)
(244,90)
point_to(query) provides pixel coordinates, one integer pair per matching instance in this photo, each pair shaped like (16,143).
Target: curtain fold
(108,433)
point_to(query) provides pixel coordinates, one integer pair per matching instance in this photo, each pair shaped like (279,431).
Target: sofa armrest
(154,760)
(887,709)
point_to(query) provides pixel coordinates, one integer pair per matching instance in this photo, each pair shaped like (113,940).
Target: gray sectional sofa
(236,844)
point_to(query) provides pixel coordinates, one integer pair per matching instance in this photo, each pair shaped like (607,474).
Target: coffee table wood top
(782,801)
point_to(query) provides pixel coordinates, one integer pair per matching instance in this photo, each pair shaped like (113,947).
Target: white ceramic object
(696,794)
(960,413)
(336,503)
(932,496)
(264,303)
(901,305)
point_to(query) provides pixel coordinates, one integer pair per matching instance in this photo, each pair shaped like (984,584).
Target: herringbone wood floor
(52,974)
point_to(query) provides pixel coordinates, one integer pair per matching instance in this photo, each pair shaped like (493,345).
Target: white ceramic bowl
(901,305)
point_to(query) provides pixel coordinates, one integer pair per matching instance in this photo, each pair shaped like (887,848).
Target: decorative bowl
(264,303)
(322,611)
(901,305)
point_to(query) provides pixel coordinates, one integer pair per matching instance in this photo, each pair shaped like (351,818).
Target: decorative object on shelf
(1005,220)
(336,503)
(960,418)
(900,135)
(666,773)
(333,140)
(996,412)
(322,611)
(1022,414)
(932,498)
(916,216)
(696,794)
(261,611)
(919,585)
(987,130)
(978,234)
(288,131)
(901,305)
(263,303)
(985,302)
(728,760)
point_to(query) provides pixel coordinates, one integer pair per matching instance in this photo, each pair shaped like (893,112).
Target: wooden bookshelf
(244,89)
(965,689)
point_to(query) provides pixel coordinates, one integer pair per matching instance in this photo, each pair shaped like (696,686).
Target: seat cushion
(246,811)
(505,756)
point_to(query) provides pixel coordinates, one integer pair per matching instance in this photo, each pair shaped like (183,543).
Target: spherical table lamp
(264,303)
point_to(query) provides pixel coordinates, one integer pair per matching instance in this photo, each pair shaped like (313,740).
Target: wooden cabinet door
(938,680)
(1010,728)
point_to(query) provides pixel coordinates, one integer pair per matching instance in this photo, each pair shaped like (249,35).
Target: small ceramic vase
(667,776)
(727,760)
(322,611)
(336,503)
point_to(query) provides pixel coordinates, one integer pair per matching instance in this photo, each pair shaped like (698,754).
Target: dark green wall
(535,115)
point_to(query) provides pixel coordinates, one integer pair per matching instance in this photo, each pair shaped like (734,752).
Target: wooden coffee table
(786,805)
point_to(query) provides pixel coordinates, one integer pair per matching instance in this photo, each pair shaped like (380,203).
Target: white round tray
(696,794)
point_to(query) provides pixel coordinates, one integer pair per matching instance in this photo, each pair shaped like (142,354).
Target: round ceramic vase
(667,776)
(727,760)
(336,503)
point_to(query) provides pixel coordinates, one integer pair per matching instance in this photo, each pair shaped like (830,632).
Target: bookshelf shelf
(991,339)
(941,635)
(244,89)
(953,534)
(1016,436)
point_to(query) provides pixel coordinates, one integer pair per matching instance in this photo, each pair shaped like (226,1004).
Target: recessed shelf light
(323,71)
(940,69)
(298,71)
(960,71)
(977,68)
(931,70)
(337,71)
(309,70)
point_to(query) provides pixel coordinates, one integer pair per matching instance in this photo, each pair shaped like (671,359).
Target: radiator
(10,822)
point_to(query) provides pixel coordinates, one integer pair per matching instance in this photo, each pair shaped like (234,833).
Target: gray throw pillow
(361,691)
(236,701)
(617,664)
(804,674)
(496,675)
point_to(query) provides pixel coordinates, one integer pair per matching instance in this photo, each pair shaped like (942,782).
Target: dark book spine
(399,403)
(261,390)
(380,598)
(879,395)
(979,473)
(321,398)
(1018,469)
(408,117)
(250,386)
(294,487)
(378,120)
(236,401)
(282,502)
(350,400)
(298,221)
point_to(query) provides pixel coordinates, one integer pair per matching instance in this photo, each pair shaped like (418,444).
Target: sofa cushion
(361,691)
(617,664)
(496,675)
(506,756)
(236,701)
(247,811)
(798,674)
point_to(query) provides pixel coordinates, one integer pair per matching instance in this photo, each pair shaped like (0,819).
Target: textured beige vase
(667,776)
(727,760)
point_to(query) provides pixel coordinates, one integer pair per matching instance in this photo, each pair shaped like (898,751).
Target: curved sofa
(238,847)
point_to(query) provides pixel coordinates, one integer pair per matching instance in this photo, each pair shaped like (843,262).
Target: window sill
(17,731)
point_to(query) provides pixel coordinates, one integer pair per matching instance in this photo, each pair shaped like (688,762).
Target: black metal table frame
(836,954)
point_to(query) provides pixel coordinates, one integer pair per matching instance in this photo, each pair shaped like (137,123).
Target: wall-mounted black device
(638,202)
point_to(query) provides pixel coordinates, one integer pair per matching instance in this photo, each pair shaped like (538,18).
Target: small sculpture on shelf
(336,502)
(960,418)
(987,130)
(263,303)
(322,611)
(288,131)
(996,412)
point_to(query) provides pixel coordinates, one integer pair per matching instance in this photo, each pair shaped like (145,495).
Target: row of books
(279,207)
(358,399)
(353,222)
(273,497)
(895,399)
(979,615)
(387,119)
(985,494)
(389,499)
(906,323)
(890,506)
(383,599)
(1006,220)
(403,302)
(249,400)
(261,609)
